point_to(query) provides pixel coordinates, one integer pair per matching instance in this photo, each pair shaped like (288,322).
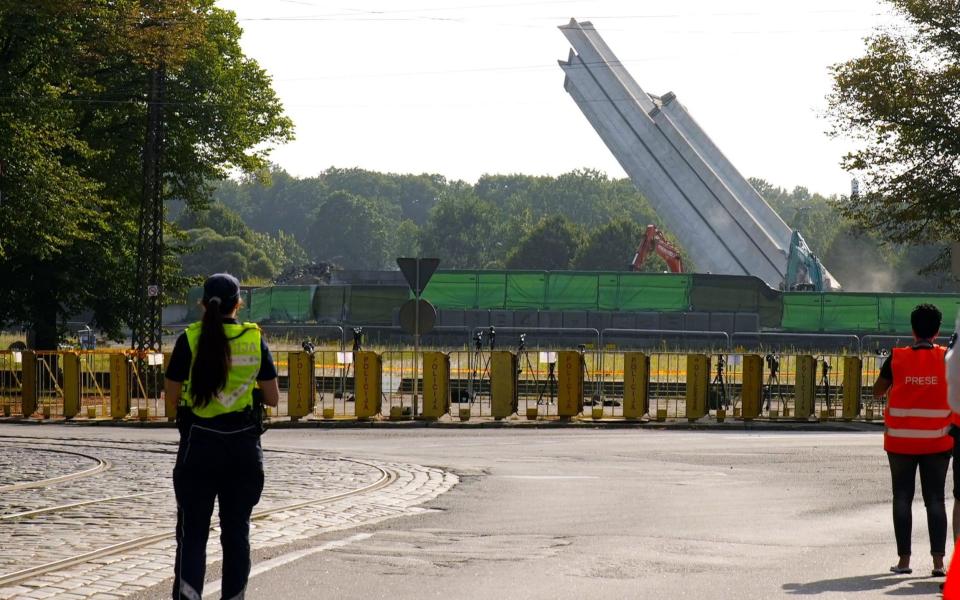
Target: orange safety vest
(951,588)
(918,417)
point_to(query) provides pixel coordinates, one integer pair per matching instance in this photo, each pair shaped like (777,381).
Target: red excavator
(654,240)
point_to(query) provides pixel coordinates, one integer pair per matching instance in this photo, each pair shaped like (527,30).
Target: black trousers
(226,464)
(933,476)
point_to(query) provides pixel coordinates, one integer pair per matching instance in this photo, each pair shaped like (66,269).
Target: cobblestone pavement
(133,497)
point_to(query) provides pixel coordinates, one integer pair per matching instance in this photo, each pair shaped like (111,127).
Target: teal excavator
(805,272)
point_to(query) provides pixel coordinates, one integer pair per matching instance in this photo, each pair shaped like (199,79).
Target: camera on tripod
(357,339)
(521,346)
(308,346)
(478,339)
(492,336)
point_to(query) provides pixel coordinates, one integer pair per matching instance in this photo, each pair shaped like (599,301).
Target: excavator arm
(654,241)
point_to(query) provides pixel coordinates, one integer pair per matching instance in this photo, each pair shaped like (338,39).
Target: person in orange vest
(917,434)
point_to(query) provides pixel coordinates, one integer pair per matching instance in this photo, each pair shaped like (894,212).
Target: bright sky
(467,87)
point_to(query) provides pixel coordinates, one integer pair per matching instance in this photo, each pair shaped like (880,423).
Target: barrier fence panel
(664,340)
(765,341)
(872,407)
(145,376)
(829,385)
(94,384)
(11,382)
(668,380)
(537,383)
(49,384)
(333,374)
(399,372)
(281,360)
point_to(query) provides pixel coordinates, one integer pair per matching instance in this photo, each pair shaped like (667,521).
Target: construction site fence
(590,382)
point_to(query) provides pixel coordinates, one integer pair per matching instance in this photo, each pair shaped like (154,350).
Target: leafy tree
(900,100)
(463,232)
(72,122)
(551,245)
(611,247)
(351,232)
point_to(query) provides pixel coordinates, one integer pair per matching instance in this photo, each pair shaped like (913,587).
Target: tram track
(387,477)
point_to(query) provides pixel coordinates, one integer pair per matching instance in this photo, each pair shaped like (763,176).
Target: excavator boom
(654,241)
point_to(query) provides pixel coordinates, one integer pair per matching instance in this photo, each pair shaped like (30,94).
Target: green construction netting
(526,290)
(282,303)
(195,312)
(895,309)
(558,290)
(849,312)
(571,291)
(654,292)
(452,290)
(733,293)
(802,311)
(374,304)
(330,303)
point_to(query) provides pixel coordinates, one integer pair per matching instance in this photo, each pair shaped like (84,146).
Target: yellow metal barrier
(436,385)
(751,391)
(570,383)
(368,370)
(852,366)
(805,387)
(119,386)
(636,384)
(503,384)
(28,382)
(70,361)
(698,385)
(302,385)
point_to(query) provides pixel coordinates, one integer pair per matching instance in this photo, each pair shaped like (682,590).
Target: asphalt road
(620,514)
(602,514)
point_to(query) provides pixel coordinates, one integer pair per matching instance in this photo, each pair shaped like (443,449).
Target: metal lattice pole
(147,326)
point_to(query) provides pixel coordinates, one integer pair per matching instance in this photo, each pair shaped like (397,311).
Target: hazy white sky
(468,87)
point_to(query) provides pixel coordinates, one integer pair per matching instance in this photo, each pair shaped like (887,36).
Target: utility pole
(147,324)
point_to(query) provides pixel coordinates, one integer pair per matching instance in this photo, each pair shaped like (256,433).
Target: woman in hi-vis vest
(917,434)
(215,367)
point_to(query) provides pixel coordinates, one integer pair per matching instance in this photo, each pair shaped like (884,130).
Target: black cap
(223,286)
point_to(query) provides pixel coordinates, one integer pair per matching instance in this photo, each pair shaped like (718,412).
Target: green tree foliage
(463,232)
(72,120)
(550,245)
(899,100)
(611,247)
(351,232)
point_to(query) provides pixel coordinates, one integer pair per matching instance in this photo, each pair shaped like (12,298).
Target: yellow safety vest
(237,394)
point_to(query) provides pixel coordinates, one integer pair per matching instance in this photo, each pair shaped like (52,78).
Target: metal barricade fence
(145,376)
(281,360)
(94,384)
(668,381)
(49,384)
(401,378)
(872,407)
(468,384)
(334,377)
(537,383)
(778,397)
(11,382)
(766,341)
(829,385)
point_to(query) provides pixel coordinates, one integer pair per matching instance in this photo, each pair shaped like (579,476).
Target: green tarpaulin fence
(861,312)
(559,290)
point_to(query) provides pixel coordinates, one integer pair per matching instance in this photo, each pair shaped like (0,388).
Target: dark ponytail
(211,365)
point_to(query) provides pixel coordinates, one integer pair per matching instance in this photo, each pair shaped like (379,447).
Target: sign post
(417,272)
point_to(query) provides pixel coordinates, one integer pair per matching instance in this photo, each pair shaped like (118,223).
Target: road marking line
(213,588)
(547,476)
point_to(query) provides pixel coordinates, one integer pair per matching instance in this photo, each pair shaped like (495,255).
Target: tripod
(548,385)
(825,379)
(773,379)
(718,385)
(478,373)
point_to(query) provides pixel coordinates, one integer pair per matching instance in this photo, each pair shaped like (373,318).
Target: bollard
(302,385)
(503,384)
(28,382)
(368,370)
(532,413)
(329,413)
(436,386)
(636,384)
(119,386)
(698,384)
(570,383)
(70,361)
(596,413)
(805,387)
(852,367)
(751,394)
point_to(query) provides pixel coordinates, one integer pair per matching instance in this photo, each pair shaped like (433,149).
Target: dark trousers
(226,465)
(933,476)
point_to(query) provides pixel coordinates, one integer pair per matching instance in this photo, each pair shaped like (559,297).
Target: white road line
(547,477)
(213,588)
